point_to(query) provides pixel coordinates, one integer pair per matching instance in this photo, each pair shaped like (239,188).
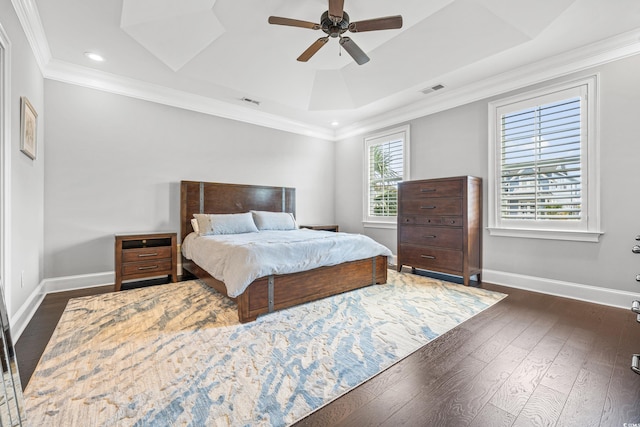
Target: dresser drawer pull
(427,207)
(427,256)
(153,267)
(429,237)
(144,255)
(428,190)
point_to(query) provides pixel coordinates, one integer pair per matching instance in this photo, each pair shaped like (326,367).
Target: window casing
(386,164)
(543,163)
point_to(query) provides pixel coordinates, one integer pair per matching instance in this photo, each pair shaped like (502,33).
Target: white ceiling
(209,54)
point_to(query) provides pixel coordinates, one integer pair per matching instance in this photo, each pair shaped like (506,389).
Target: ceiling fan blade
(311,50)
(354,50)
(336,10)
(293,22)
(386,23)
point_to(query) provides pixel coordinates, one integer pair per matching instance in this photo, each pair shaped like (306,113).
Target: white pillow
(195,226)
(274,220)
(225,223)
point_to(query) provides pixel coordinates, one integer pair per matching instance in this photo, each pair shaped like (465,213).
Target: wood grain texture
(586,351)
(289,290)
(439,225)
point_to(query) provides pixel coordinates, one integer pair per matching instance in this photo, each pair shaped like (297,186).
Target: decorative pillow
(274,220)
(195,226)
(225,223)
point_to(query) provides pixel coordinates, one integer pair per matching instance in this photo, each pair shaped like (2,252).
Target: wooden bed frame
(277,292)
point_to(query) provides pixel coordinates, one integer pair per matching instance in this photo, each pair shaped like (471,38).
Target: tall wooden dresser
(440,225)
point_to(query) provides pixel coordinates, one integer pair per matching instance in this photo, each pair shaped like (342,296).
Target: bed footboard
(298,288)
(293,289)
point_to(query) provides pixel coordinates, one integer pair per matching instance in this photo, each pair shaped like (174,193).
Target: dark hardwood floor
(531,359)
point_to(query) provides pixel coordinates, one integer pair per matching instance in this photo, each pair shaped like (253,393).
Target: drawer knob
(144,255)
(427,256)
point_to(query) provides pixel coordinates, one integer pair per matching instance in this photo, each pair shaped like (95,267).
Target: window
(543,151)
(386,164)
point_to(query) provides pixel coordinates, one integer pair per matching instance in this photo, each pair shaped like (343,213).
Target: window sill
(380,224)
(576,236)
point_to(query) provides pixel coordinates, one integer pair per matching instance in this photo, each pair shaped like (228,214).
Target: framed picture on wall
(28,128)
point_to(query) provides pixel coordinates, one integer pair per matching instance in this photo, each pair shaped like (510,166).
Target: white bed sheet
(239,259)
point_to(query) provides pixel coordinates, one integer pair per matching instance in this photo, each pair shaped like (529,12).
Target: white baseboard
(21,319)
(23,316)
(577,291)
(70,283)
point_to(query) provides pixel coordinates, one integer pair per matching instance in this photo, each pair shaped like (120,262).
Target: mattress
(239,259)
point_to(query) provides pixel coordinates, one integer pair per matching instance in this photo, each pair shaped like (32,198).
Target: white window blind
(385,161)
(541,172)
(543,162)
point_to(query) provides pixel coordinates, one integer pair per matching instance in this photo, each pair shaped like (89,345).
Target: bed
(274,292)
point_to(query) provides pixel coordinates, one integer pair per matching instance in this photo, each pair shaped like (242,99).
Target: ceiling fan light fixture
(334,22)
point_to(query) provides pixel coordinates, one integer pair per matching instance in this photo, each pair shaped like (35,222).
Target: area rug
(176,354)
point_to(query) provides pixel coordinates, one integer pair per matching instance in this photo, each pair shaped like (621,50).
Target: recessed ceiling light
(94,56)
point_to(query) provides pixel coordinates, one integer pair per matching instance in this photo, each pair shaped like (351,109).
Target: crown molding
(88,77)
(605,51)
(577,60)
(29,18)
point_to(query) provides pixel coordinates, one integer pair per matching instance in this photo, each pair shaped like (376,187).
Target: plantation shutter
(386,164)
(541,169)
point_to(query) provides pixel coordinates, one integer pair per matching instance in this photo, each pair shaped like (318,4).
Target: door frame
(5,167)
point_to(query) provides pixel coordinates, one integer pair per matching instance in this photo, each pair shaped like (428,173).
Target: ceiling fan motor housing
(334,29)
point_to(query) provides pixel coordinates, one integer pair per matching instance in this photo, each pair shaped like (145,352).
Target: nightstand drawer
(144,254)
(147,268)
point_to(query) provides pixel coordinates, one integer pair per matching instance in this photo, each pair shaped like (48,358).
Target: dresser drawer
(144,254)
(430,258)
(441,237)
(429,207)
(147,268)
(451,221)
(428,189)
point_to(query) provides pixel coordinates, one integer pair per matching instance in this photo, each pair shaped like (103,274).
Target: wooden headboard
(219,198)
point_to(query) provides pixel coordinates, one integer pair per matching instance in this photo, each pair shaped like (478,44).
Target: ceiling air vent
(432,89)
(252,101)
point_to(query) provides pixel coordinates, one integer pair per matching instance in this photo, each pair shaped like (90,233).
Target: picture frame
(28,128)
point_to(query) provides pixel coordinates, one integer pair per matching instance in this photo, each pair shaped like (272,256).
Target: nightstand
(145,255)
(321,227)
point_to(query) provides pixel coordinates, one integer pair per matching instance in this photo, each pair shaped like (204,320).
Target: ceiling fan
(334,22)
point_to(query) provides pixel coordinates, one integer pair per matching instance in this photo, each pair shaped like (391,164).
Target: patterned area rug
(176,354)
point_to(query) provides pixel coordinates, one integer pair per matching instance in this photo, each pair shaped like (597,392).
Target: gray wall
(114,165)
(454,142)
(26,186)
